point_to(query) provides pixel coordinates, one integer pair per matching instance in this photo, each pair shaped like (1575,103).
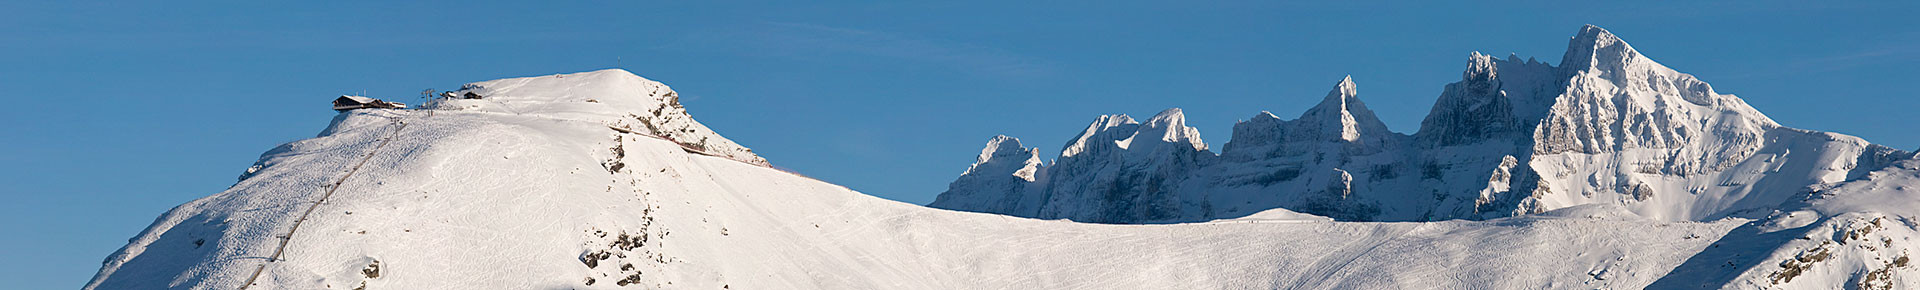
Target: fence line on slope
(284,239)
(683,146)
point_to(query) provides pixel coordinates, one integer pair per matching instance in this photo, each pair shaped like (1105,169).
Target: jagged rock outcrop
(1475,109)
(1469,147)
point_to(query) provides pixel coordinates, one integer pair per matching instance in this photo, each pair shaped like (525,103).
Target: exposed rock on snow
(613,96)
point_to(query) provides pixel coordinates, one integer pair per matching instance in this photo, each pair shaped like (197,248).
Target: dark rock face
(1473,110)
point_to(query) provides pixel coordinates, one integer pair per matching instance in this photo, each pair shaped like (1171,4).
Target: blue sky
(123,110)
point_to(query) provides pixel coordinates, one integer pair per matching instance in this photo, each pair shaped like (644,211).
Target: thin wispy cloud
(1907,51)
(814,42)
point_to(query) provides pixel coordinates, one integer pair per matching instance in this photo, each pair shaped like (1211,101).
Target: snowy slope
(1855,235)
(549,195)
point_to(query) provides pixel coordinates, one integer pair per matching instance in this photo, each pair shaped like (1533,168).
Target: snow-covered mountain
(599,180)
(1512,137)
(1606,127)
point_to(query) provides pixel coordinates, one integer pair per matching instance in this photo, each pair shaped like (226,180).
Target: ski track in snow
(287,238)
(1324,268)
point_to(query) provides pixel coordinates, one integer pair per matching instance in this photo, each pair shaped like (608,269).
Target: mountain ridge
(1512,137)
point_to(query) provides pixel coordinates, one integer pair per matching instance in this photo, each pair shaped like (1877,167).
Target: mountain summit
(1341,117)
(613,96)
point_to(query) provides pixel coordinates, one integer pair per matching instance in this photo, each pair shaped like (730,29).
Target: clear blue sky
(121,111)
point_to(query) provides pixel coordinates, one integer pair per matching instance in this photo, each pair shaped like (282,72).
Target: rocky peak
(1004,153)
(1170,126)
(1118,170)
(1593,48)
(1480,72)
(1101,134)
(1120,133)
(1617,98)
(997,181)
(1255,137)
(1341,117)
(1342,91)
(1000,147)
(1471,110)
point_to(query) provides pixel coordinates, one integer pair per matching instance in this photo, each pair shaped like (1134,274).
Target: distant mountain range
(1512,137)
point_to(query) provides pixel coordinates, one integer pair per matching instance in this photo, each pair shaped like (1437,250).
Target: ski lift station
(350,102)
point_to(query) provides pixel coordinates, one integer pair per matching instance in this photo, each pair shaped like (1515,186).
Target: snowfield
(599,180)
